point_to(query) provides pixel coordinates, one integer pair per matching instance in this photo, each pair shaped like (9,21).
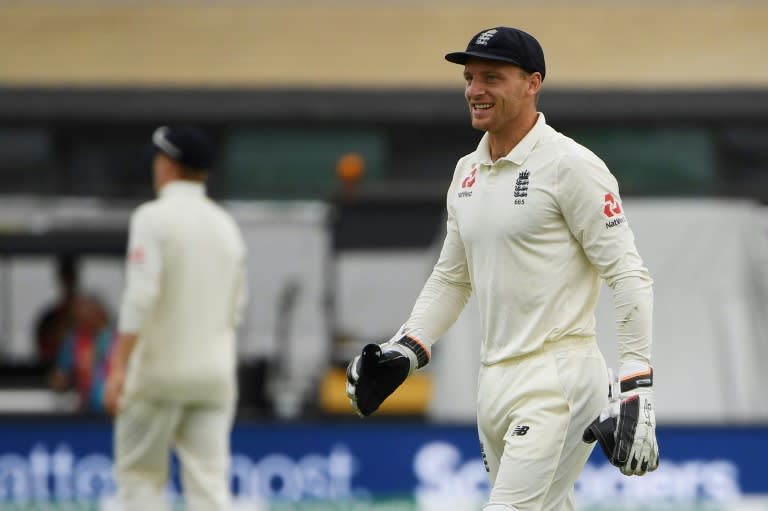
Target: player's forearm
(126,342)
(633,302)
(438,306)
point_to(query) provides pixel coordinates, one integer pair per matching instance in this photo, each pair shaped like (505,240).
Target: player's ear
(534,83)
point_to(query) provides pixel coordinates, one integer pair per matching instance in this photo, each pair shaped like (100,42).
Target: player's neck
(501,143)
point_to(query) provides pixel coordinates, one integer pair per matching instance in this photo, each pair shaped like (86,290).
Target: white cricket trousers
(532,412)
(147,430)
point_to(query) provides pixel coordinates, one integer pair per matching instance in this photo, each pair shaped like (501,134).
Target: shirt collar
(182,188)
(520,152)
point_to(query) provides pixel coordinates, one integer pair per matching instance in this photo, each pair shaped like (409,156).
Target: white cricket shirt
(532,234)
(185,292)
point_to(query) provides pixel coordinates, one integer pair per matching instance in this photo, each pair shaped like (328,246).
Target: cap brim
(461,57)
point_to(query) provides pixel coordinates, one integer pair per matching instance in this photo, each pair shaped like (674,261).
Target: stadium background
(672,95)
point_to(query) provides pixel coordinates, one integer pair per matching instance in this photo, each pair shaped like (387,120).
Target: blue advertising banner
(425,465)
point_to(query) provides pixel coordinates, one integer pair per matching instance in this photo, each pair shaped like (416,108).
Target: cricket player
(172,384)
(534,222)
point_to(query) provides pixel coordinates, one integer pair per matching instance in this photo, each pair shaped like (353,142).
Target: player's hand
(375,374)
(113,390)
(626,429)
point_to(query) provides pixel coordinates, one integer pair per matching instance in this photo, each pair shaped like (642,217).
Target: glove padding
(375,374)
(626,428)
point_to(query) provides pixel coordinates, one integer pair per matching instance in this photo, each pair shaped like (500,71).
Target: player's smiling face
(496,93)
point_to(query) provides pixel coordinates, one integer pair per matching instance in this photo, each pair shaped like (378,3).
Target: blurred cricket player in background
(173,380)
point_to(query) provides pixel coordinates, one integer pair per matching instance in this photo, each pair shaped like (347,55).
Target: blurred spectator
(82,361)
(57,318)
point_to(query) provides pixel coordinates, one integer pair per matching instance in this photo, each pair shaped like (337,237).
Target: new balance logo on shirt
(520,430)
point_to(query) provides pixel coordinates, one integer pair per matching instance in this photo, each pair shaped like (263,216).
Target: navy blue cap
(503,44)
(185,144)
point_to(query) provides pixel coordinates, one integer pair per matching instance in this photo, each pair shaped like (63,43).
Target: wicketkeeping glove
(626,428)
(374,374)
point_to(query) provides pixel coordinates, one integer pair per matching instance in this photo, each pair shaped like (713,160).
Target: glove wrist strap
(633,380)
(419,349)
